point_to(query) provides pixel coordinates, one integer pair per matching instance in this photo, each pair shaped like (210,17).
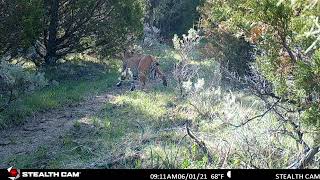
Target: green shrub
(16,81)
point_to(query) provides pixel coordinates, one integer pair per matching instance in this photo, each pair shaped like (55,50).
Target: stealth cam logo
(13,173)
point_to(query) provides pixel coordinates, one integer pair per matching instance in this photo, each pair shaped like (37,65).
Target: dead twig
(200,143)
(202,114)
(255,117)
(306,159)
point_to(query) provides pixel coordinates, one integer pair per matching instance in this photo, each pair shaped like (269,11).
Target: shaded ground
(45,128)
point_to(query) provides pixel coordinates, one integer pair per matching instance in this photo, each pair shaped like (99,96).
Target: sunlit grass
(149,104)
(53,97)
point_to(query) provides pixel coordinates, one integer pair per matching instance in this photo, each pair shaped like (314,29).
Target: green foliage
(308,82)
(30,19)
(73,26)
(222,42)
(126,23)
(15,81)
(308,74)
(15,78)
(20,24)
(233,53)
(173,16)
(312,116)
(280,30)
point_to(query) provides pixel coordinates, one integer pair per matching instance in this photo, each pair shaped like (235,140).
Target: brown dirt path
(45,128)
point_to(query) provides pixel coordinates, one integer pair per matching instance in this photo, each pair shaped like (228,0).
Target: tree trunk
(51,56)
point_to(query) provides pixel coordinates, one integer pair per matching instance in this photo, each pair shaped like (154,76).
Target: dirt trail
(45,128)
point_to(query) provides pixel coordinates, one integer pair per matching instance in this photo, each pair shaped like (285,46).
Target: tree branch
(255,117)
(306,159)
(200,143)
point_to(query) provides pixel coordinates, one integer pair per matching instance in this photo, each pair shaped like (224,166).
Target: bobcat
(140,67)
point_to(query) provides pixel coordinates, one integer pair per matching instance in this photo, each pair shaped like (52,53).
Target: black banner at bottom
(153,174)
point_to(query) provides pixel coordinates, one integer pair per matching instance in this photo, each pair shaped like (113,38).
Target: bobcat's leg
(120,82)
(153,74)
(162,76)
(132,81)
(133,87)
(142,78)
